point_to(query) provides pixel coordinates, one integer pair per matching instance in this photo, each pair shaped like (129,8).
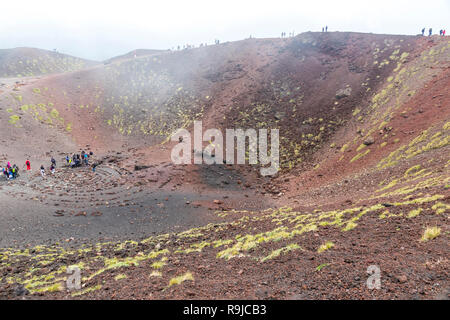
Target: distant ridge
(132,54)
(27,62)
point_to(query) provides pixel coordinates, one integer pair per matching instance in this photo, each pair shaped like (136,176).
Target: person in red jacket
(28,164)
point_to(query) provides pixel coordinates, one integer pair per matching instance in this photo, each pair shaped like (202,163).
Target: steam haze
(99,30)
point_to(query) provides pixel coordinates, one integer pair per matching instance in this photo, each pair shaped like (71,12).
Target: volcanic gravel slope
(29,62)
(364,133)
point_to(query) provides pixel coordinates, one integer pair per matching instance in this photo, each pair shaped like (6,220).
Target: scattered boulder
(279,115)
(343,93)
(401,278)
(140,167)
(20,290)
(369,141)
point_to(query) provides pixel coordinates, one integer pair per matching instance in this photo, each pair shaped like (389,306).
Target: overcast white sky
(100,29)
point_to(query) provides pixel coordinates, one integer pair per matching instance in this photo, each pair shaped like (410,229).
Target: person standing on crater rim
(326,29)
(430,32)
(423,31)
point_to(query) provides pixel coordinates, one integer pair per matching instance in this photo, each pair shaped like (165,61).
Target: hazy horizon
(100,30)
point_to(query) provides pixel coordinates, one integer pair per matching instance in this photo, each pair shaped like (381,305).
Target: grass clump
(159,264)
(177,280)
(277,252)
(323,265)
(13,119)
(412,169)
(440,207)
(53,288)
(350,226)
(430,233)
(120,277)
(344,147)
(54,113)
(87,290)
(414,213)
(156,274)
(360,155)
(327,245)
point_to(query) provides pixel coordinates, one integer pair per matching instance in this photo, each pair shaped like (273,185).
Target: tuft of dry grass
(430,233)
(327,245)
(180,279)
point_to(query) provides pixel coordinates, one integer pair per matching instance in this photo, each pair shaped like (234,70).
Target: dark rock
(140,167)
(348,260)
(20,290)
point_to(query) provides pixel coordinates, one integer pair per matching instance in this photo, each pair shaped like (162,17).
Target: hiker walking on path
(42,171)
(28,164)
(52,169)
(53,161)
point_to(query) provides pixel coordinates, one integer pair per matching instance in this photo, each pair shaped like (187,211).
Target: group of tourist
(78,160)
(291,34)
(11,172)
(430,32)
(52,167)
